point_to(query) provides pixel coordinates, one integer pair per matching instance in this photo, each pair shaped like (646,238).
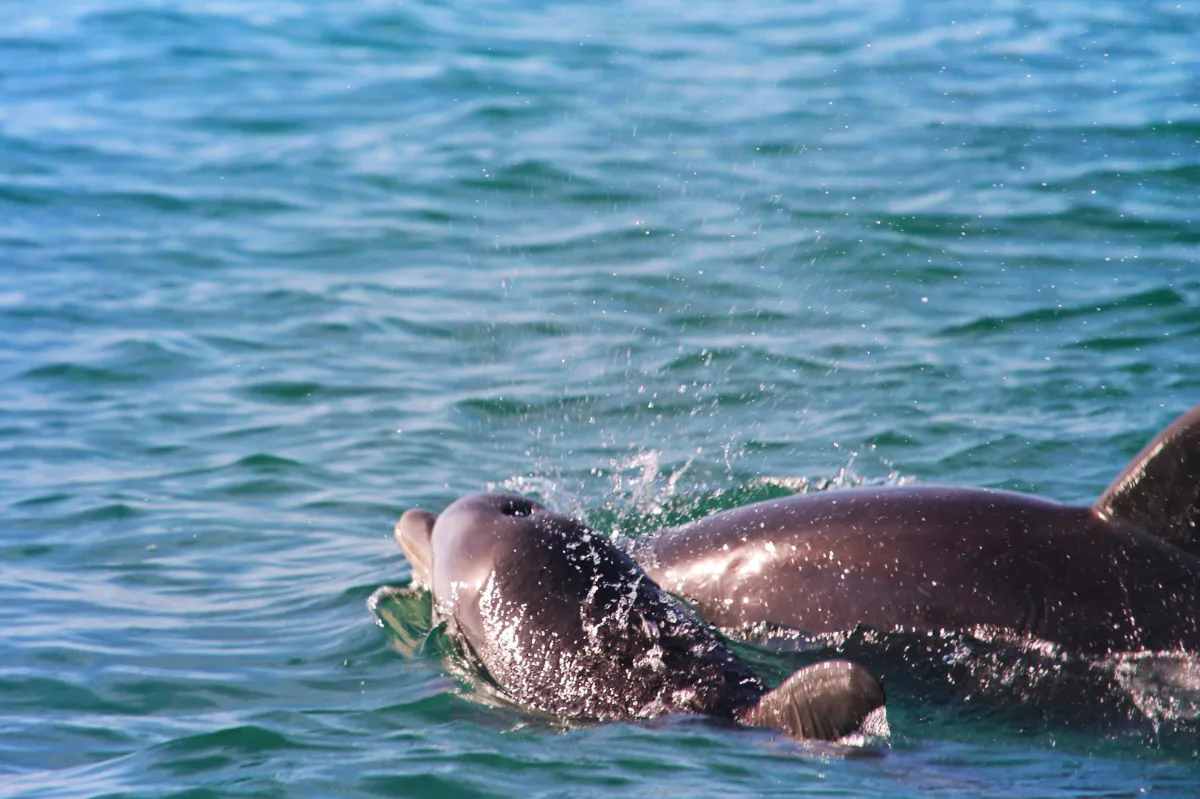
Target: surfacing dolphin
(1121,575)
(567,624)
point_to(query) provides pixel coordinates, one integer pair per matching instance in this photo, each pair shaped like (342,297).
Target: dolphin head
(469,530)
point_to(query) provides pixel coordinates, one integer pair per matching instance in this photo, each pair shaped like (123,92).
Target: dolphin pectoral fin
(829,700)
(1159,490)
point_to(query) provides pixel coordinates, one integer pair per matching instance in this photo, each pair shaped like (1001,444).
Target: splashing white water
(1165,686)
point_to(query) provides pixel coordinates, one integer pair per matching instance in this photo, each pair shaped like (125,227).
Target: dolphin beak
(414,534)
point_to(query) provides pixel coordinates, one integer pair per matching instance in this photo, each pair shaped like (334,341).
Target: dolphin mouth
(414,534)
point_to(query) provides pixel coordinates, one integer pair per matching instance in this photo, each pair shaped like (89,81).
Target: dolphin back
(828,700)
(1159,491)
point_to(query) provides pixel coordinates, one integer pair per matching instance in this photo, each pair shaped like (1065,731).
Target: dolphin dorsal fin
(1159,490)
(828,700)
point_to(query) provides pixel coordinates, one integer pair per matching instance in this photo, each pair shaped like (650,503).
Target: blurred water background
(273,271)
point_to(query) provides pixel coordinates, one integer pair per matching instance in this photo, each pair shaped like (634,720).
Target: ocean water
(272,272)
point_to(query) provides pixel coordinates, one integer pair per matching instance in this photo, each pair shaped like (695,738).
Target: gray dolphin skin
(567,624)
(1121,575)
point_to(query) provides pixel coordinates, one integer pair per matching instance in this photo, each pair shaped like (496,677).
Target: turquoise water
(273,272)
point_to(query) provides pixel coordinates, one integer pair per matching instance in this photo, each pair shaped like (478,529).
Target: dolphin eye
(516,506)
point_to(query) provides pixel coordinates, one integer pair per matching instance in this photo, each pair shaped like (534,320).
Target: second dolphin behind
(1121,575)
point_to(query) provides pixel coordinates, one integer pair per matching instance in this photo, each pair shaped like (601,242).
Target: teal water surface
(272,272)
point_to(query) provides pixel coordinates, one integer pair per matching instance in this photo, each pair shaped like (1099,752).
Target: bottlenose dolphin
(568,624)
(1121,575)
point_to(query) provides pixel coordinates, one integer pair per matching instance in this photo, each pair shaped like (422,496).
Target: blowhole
(516,506)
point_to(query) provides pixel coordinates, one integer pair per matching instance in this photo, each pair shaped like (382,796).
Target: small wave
(433,785)
(114,511)
(144,22)
(76,375)
(263,488)
(43,499)
(1115,343)
(44,693)
(1154,298)
(226,746)
(263,462)
(284,391)
(505,408)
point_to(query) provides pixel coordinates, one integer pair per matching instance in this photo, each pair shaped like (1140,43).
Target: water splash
(407,615)
(1165,686)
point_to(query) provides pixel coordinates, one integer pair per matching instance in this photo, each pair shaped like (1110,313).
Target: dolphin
(1120,575)
(567,624)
